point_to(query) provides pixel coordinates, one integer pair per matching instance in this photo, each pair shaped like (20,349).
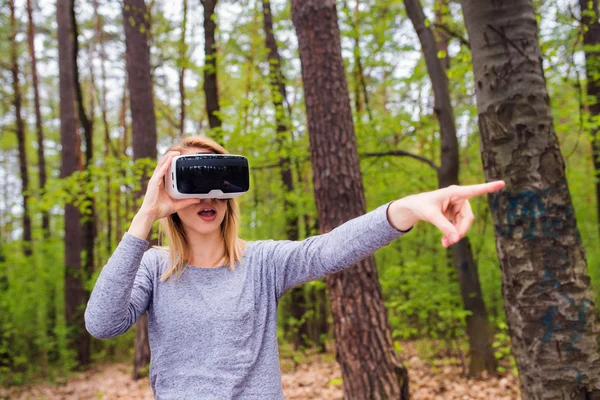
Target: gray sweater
(213,332)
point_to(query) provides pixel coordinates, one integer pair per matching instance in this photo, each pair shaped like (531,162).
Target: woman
(212,326)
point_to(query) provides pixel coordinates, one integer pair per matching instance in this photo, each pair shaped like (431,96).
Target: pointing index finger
(482,188)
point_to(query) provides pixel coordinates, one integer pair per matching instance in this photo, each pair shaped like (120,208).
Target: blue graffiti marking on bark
(532,213)
(547,320)
(578,374)
(573,327)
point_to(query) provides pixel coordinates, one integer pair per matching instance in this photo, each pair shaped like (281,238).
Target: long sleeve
(292,263)
(122,292)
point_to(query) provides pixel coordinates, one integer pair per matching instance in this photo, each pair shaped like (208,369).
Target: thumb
(450,232)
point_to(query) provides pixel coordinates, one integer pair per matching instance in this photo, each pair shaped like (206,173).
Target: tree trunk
(38,114)
(360,84)
(89,219)
(20,129)
(550,310)
(278,94)
(371,368)
(74,289)
(121,215)
(108,146)
(478,328)
(211,88)
(591,43)
(183,57)
(141,98)
(442,14)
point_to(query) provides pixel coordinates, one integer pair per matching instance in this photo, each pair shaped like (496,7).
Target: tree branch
(401,153)
(452,33)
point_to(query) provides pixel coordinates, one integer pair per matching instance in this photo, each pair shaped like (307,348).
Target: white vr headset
(204,175)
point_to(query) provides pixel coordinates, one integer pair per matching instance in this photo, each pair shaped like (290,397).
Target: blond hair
(171,226)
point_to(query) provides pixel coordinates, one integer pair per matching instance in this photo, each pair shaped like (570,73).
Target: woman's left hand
(448,209)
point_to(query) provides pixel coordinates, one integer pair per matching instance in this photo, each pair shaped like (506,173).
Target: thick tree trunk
(550,310)
(211,88)
(478,328)
(20,129)
(278,93)
(591,43)
(371,367)
(38,114)
(74,289)
(141,95)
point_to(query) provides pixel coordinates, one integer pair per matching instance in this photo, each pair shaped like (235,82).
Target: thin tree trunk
(74,290)
(442,38)
(360,85)
(20,129)
(38,115)
(183,57)
(371,368)
(122,147)
(48,333)
(89,219)
(141,97)
(108,146)
(211,87)
(550,310)
(591,43)
(284,142)
(478,328)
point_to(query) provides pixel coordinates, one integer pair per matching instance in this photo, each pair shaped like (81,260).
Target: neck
(206,250)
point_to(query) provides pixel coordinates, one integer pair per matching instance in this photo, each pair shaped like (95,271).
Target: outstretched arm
(294,262)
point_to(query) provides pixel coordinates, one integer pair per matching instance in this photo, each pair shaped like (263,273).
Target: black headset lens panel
(201,174)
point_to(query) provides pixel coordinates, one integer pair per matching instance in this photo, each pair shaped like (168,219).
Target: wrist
(400,216)
(141,225)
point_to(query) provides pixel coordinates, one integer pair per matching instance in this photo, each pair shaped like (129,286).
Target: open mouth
(207,214)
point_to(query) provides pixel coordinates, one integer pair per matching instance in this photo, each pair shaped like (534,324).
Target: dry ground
(317,377)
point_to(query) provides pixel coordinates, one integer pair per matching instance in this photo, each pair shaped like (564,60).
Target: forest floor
(303,377)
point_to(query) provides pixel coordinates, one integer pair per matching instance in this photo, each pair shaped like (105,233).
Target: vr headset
(201,175)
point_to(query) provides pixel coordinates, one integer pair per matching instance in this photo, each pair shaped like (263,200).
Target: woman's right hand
(157,203)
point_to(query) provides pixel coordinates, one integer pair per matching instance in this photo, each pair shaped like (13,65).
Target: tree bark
(139,82)
(38,114)
(182,65)
(284,141)
(591,43)
(442,38)
(74,285)
(20,130)
(89,218)
(211,87)
(550,310)
(108,145)
(478,328)
(371,368)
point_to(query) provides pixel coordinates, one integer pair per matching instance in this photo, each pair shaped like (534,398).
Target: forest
(340,107)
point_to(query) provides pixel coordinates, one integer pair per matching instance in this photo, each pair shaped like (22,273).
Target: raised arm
(122,292)
(291,263)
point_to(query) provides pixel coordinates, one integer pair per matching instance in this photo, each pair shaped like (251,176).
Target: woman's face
(206,216)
